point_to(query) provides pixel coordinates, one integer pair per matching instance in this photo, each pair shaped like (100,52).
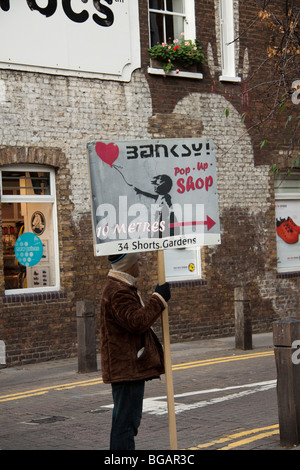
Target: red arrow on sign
(209,223)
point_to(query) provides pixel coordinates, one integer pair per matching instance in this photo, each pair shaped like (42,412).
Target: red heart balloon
(107,152)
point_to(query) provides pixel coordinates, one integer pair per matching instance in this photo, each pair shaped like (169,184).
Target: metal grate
(25,183)
(47,420)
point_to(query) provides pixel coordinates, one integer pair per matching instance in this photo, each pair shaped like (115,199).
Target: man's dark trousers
(127,413)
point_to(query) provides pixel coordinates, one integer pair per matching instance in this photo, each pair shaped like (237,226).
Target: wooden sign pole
(167,357)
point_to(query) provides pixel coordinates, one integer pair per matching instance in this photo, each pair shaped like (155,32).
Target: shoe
(285,231)
(293,226)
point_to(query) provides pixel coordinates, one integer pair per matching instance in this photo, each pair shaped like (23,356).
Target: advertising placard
(288,235)
(71,37)
(152,195)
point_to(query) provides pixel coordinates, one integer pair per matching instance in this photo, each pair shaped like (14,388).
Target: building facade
(82,72)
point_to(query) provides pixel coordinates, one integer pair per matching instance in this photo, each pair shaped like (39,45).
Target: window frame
(227,41)
(188,15)
(51,199)
(189,34)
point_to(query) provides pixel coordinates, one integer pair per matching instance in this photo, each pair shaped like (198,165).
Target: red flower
(176,47)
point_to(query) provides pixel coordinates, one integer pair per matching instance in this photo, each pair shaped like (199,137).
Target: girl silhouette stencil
(162,186)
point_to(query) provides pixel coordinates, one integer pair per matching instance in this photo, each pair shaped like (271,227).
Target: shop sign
(29,249)
(90,38)
(153,194)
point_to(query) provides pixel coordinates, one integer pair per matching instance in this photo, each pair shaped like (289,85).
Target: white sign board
(152,195)
(182,264)
(97,39)
(288,241)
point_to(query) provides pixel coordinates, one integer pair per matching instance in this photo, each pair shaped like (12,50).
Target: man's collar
(123,277)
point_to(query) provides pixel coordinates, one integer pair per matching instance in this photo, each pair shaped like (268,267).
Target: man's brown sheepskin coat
(129,348)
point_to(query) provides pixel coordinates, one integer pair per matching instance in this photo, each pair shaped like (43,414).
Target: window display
(29,233)
(287,194)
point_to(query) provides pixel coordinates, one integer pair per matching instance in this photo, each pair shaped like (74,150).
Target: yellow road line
(271,430)
(221,360)
(98,380)
(23,395)
(43,391)
(243,442)
(82,384)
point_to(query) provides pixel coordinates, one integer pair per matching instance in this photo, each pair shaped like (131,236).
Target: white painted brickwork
(45,111)
(63,112)
(240,184)
(53,111)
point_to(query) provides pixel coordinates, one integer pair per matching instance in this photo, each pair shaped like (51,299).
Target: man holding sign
(130,351)
(150,195)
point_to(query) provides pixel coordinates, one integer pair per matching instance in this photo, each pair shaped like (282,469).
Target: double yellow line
(220,360)
(98,380)
(241,438)
(43,391)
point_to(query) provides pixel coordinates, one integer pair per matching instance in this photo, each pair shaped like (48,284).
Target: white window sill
(181,73)
(224,78)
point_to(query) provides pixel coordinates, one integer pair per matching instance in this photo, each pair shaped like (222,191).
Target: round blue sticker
(28,249)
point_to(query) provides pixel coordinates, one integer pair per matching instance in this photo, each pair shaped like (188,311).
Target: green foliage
(184,52)
(263,144)
(226,112)
(295,164)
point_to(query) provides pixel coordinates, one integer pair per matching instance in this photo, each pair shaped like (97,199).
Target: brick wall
(41,326)
(49,119)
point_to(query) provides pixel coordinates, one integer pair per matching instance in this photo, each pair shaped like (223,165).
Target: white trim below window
(173,73)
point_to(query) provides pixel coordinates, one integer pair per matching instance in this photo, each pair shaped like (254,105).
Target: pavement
(49,406)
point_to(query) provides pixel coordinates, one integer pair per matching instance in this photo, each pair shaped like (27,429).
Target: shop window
(169,18)
(29,229)
(228,41)
(287,199)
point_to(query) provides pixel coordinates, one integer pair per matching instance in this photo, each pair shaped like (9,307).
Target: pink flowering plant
(179,51)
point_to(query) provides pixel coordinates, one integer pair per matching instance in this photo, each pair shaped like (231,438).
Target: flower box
(178,67)
(180,57)
(192,71)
